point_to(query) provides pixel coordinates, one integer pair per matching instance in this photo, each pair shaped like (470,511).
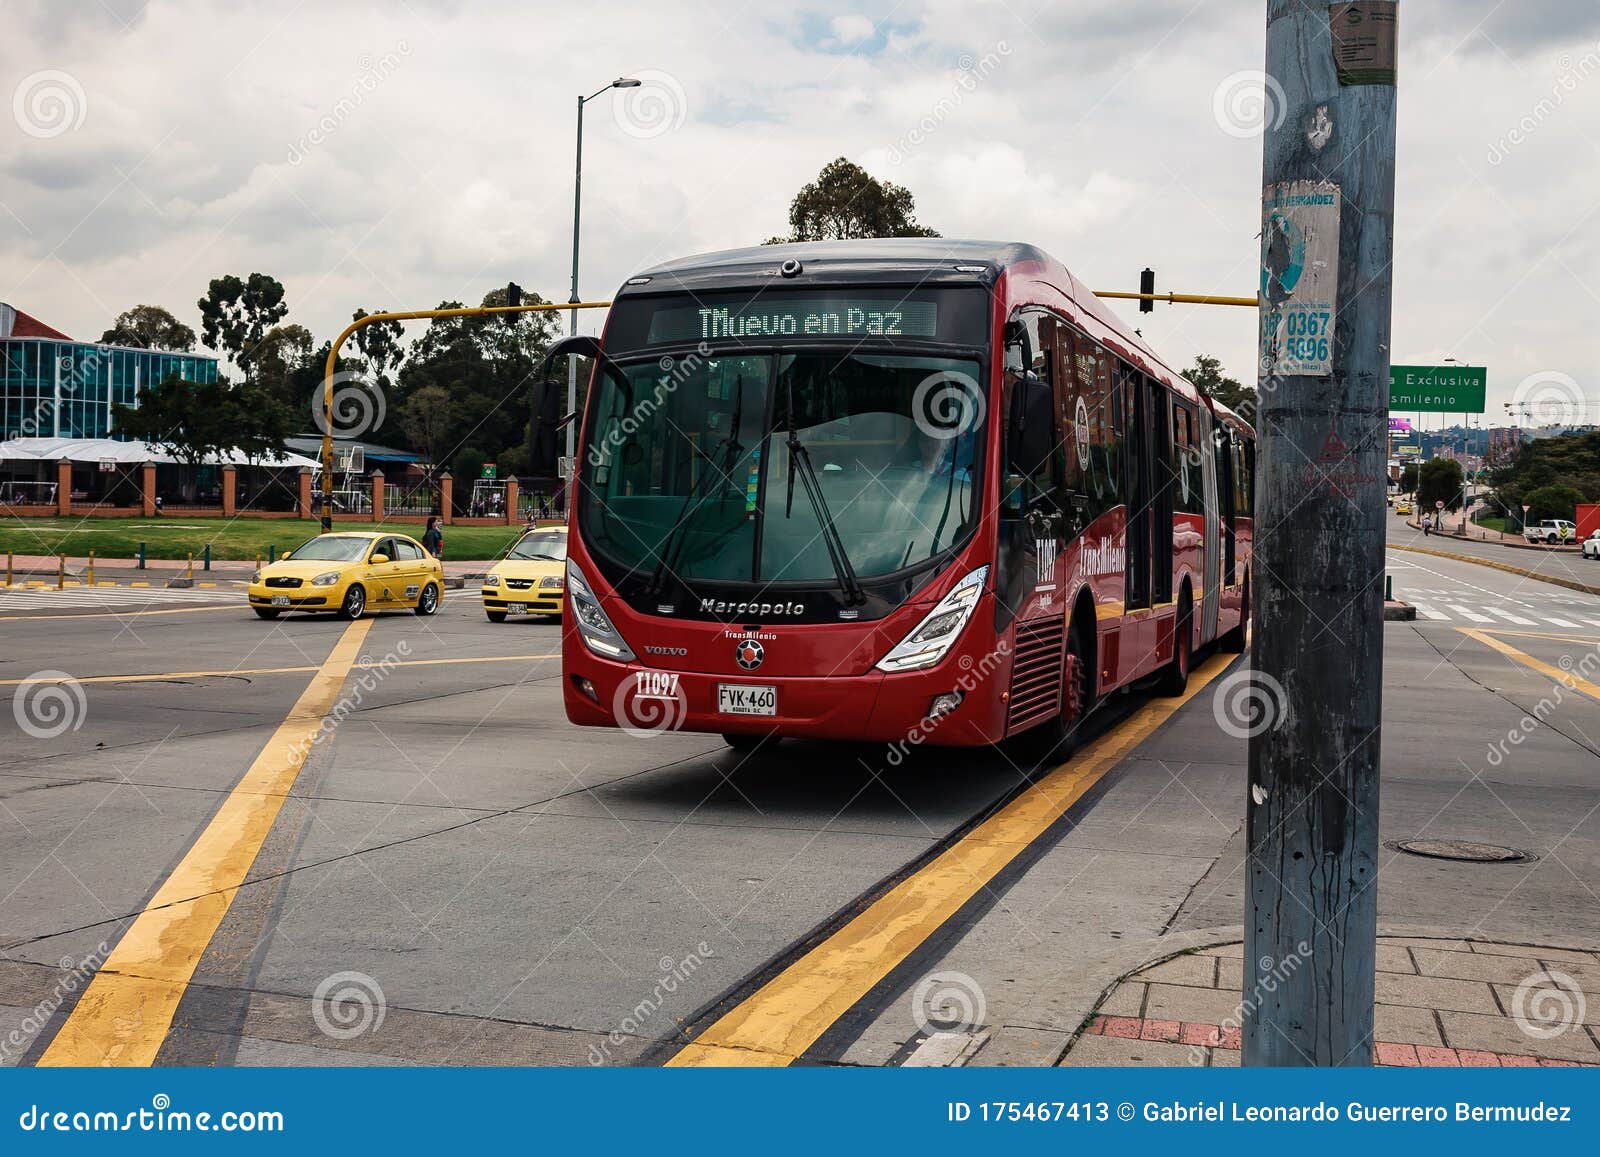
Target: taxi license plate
(744,699)
(516,608)
(280,600)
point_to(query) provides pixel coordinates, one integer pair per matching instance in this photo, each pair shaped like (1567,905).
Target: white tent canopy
(130,453)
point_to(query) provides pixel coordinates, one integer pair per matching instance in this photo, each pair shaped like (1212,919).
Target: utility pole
(1318,565)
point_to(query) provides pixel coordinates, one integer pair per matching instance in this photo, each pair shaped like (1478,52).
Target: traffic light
(513,294)
(1147,284)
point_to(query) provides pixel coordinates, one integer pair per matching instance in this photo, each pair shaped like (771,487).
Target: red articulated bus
(907,490)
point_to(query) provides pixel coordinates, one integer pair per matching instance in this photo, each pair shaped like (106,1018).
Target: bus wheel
(1232,642)
(744,744)
(1175,678)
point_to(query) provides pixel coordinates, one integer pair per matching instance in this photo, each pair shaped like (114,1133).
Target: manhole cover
(1463,850)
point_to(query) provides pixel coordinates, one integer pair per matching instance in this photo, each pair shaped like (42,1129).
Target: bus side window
(1041,490)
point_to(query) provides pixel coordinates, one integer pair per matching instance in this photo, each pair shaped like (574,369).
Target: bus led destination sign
(805,317)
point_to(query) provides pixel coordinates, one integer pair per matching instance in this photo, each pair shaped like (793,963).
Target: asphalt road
(456,875)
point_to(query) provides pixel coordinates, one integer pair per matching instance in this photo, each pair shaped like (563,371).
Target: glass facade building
(65,389)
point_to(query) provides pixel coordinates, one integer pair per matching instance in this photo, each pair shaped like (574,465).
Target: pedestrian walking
(433,538)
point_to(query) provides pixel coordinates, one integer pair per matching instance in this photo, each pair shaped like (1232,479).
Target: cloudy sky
(400,153)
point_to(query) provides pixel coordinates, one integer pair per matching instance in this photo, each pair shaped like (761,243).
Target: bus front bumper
(871,708)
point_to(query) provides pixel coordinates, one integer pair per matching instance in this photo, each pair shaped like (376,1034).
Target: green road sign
(1454,389)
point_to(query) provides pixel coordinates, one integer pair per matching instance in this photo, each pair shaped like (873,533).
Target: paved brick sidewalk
(1440,1003)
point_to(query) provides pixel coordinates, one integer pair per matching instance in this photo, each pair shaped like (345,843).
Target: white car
(1550,531)
(1591,545)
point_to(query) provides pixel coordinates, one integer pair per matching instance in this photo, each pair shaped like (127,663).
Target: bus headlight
(593,624)
(933,637)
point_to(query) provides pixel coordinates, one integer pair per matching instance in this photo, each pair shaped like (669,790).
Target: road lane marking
(1428,612)
(777,1023)
(159,676)
(1555,622)
(126,1011)
(1466,614)
(1564,678)
(1517,619)
(113,614)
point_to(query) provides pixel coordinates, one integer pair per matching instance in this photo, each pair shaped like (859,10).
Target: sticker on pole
(1299,278)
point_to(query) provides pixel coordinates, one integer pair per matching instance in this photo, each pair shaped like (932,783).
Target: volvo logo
(750,654)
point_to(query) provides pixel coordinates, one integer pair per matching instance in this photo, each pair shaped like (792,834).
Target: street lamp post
(577,209)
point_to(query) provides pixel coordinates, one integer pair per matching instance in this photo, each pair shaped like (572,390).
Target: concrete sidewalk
(1441,1003)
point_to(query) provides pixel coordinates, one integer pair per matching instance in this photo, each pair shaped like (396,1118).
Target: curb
(1396,611)
(1570,584)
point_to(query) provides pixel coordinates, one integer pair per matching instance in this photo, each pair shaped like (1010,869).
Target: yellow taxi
(531,579)
(1403,506)
(350,574)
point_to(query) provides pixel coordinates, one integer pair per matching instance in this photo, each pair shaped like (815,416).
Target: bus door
(1211,549)
(1227,509)
(1138,627)
(1028,579)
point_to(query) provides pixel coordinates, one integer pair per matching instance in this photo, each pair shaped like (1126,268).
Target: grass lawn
(242,539)
(1496,522)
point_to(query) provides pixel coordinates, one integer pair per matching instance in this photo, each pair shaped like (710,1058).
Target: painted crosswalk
(18,600)
(1533,610)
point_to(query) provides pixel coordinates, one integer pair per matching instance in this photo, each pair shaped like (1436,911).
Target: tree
(1558,500)
(197,421)
(846,201)
(149,327)
(379,342)
(1408,478)
(1208,377)
(425,418)
(485,367)
(1439,480)
(236,314)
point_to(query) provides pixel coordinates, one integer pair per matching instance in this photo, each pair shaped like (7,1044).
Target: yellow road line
(1590,640)
(127,1009)
(777,1023)
(157,676)
(1565,678)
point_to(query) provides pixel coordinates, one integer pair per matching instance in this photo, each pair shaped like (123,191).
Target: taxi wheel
(496,616)
(428,600)
(265,612)
(355,602)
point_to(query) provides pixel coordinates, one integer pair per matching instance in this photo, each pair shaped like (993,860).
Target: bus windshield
(696,467)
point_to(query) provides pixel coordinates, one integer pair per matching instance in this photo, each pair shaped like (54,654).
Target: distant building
(54,387)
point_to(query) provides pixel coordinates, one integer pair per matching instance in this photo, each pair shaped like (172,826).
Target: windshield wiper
(730,450)
(837,555)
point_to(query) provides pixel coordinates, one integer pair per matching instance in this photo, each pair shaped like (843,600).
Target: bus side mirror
(1032,425)
(542,429)
(578,345)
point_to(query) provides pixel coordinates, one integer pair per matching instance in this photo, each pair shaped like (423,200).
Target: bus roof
(926,260)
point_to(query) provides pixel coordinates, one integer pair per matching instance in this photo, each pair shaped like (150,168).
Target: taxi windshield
(541,548)
(332,548)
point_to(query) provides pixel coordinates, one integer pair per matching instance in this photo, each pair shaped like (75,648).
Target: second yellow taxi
(350,574)
(531,579)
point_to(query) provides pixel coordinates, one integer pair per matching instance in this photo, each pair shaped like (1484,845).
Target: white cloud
(1089,131)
